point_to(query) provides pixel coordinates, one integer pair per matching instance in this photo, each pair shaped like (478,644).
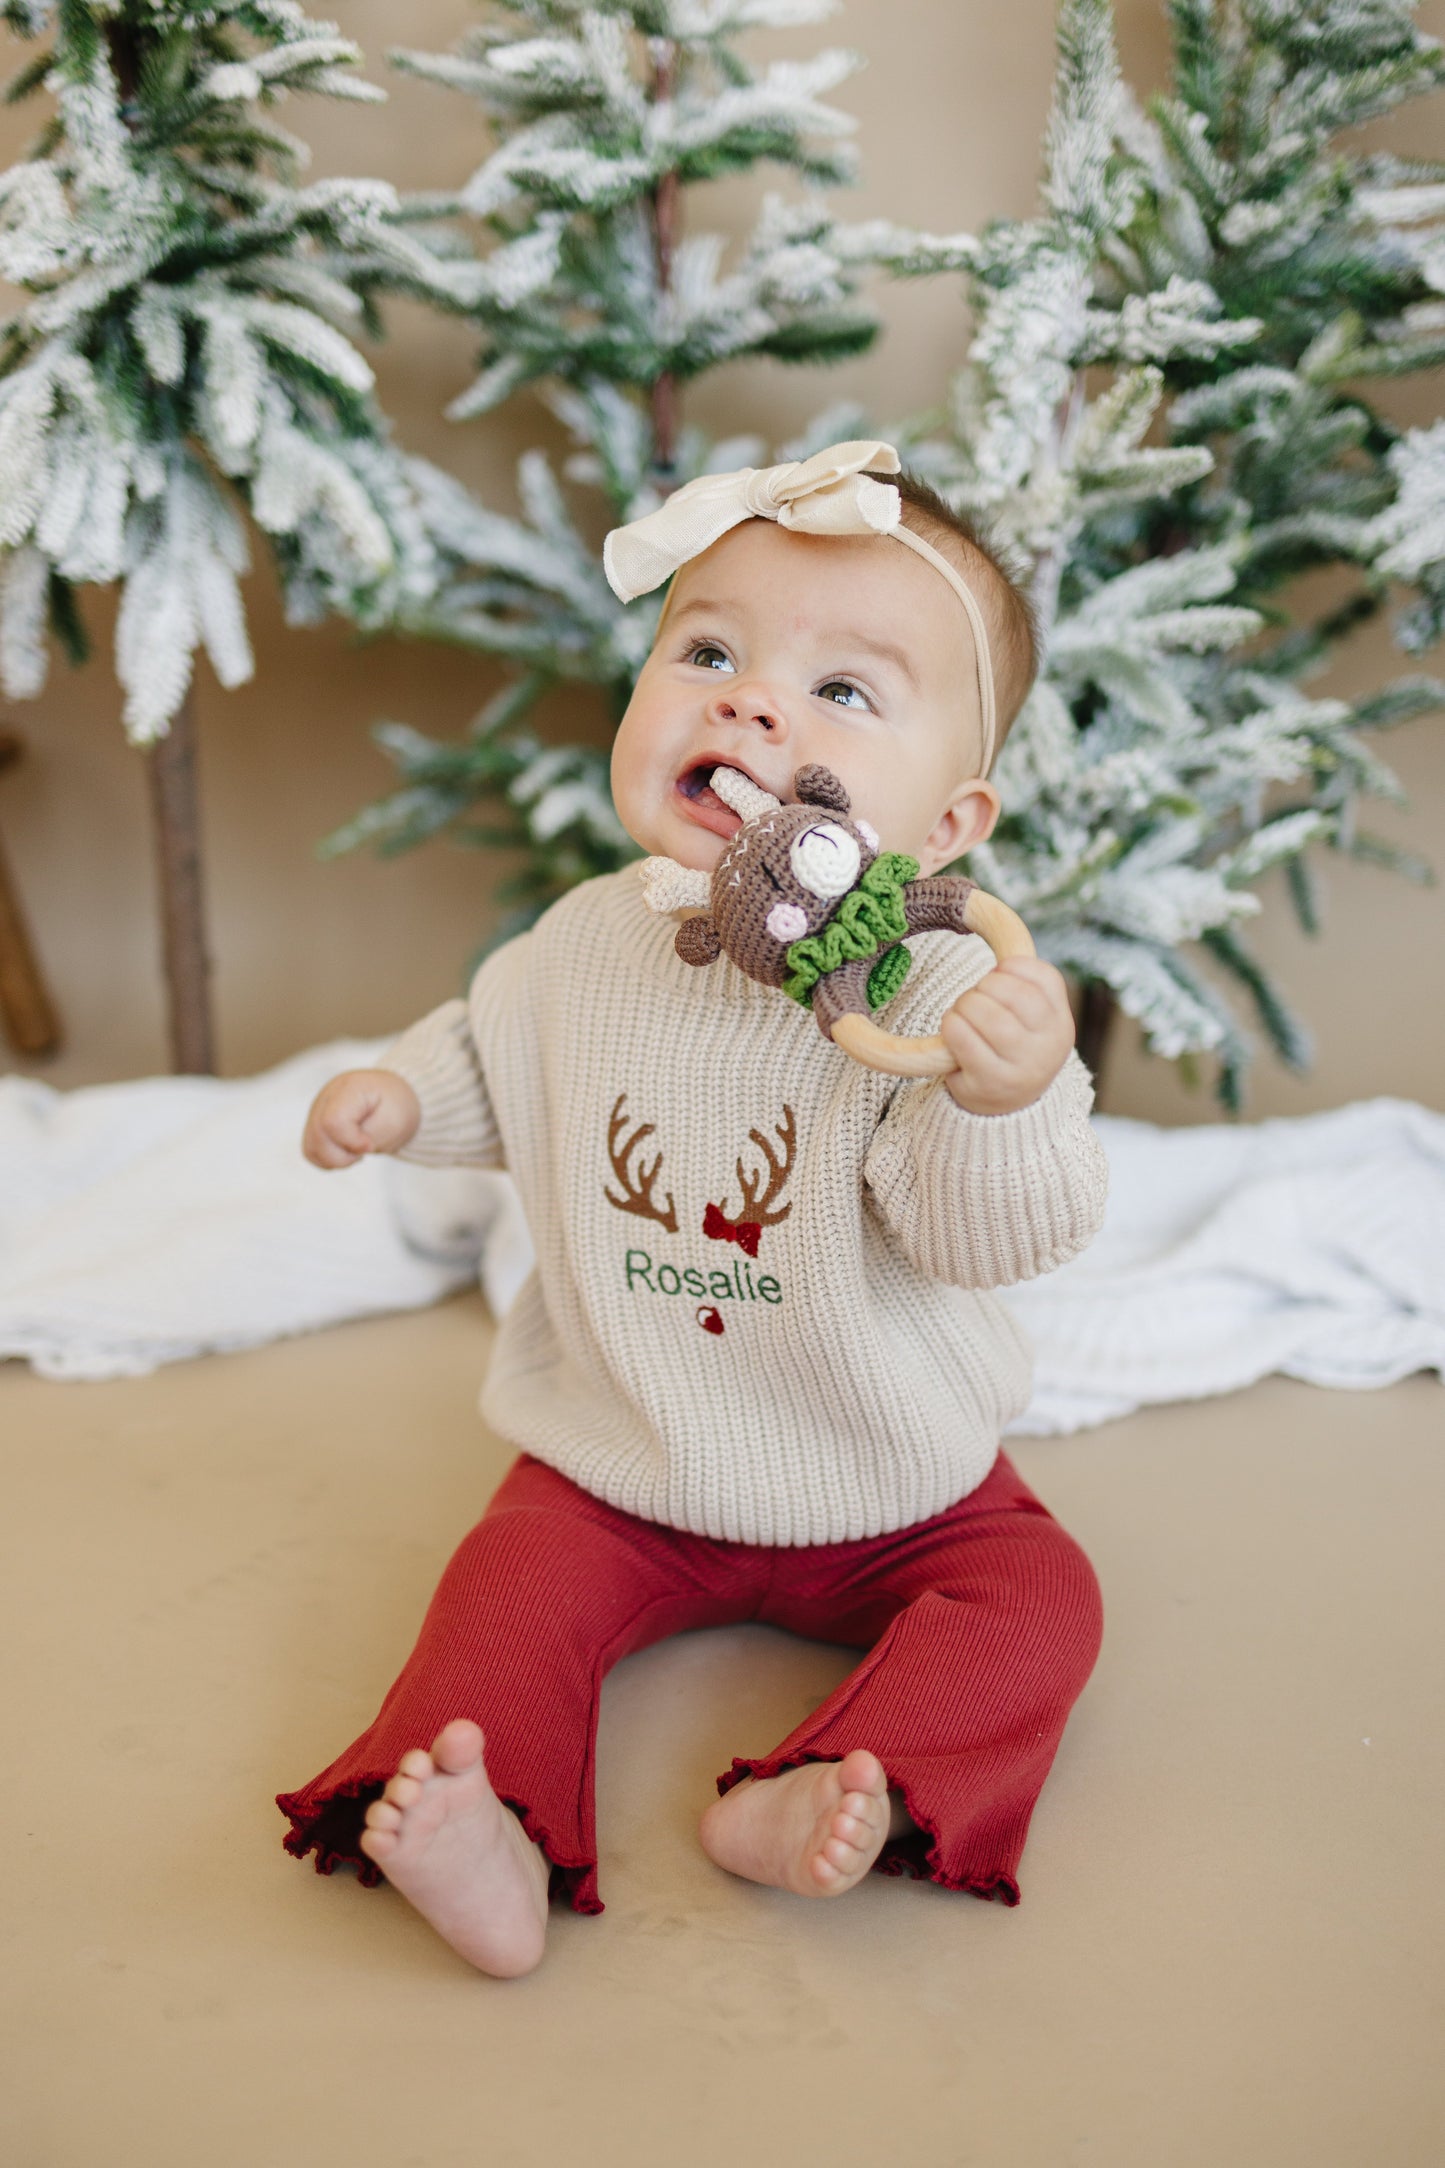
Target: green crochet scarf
(869,918)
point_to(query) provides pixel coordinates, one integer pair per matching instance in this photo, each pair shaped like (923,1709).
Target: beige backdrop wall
(950,109)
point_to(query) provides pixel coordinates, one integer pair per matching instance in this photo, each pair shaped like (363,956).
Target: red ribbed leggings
(981,1626)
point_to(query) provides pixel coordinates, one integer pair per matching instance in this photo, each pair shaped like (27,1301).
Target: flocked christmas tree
(1220,274)
(1232,276)
(185,354)
(594,295)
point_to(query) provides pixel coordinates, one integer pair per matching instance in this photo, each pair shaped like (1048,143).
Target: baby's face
(778,649)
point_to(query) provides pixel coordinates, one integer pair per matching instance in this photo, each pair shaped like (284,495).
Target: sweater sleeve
(985,1200)
(439,1059)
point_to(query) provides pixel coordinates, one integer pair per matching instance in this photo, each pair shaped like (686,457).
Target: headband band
(829,494)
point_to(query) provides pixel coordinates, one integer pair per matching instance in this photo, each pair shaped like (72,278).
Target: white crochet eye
(825,859)
(868,832)
(786,922)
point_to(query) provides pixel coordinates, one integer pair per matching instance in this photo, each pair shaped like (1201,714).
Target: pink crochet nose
(785,922)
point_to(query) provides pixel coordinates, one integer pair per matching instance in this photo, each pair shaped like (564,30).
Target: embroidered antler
(757,1199)
(637,1187)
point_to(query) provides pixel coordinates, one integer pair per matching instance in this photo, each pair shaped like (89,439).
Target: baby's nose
(748,703)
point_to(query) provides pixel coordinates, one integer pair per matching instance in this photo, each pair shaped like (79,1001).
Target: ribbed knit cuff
(438,1058)
(986,1200)
(998,1141)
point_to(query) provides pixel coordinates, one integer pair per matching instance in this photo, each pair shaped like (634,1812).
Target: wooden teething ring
(1005,933)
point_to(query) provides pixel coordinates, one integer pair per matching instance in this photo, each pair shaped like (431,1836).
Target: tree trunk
(665,208)
(1097,1011)
(664,424)
(175,804)
(30,1020)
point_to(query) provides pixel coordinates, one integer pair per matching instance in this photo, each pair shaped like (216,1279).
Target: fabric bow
(721,1229)
(827,494)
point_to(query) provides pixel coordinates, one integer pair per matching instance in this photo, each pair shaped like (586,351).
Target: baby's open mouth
(703,803)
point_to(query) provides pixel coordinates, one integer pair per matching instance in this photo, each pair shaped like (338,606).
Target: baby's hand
(1010,1035)
(359,1112)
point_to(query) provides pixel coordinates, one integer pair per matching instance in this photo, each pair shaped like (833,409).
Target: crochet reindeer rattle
(804,899)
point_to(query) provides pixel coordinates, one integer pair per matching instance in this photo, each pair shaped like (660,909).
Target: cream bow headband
(827,494)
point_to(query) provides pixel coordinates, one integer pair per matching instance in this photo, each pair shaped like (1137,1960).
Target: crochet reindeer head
(802,898)
(781,875)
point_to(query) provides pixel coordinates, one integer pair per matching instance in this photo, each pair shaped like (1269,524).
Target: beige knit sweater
(835,1368)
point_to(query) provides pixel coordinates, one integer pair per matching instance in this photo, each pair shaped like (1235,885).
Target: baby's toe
(863,1772)
(378,1844)
(382,1815)
(403,1791)
(866,1805)
(416,1762)
(457,1745)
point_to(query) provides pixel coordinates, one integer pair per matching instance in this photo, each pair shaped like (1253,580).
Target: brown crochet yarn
(786,875)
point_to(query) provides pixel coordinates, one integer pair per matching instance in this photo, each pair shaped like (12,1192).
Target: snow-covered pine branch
(186,334)
(1240,275)
(593,289)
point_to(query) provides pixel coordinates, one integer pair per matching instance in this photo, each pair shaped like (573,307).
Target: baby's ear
(817,785)
(697,941)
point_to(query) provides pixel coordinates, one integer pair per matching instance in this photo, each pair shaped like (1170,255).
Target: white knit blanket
(142,1223)
(1315,1247)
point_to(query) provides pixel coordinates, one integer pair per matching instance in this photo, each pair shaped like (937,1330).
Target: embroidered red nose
(709,1318)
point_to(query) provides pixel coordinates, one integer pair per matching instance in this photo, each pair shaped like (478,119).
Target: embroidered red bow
(721,1229)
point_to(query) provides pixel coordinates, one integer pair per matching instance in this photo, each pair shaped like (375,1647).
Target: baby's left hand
(1010,1035)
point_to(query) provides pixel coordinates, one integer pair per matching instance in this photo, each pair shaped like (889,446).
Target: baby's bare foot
(442,1836)
(814,1830)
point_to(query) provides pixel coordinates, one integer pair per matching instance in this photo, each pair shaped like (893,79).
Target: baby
(756,1372)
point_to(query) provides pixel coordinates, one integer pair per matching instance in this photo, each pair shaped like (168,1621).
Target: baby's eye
(841,685)
(705,649)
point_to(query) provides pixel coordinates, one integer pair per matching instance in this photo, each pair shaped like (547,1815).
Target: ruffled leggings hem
(330,1826)
(980,1627)
(919,1854)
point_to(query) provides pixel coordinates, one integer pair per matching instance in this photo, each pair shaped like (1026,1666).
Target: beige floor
(1229,1948)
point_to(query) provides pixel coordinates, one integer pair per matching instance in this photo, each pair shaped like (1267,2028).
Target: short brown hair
(1007,611)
